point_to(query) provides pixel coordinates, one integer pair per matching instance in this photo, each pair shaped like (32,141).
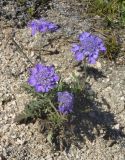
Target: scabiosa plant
(41,25)
(43,78)
(65,100)
(90,46)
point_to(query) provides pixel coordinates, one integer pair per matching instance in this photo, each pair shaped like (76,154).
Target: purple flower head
(52,27)
(90,46)
(65,100)
(34,26)
(41,25)
(43,78)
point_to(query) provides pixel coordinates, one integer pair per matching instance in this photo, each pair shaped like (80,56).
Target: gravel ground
(107,80)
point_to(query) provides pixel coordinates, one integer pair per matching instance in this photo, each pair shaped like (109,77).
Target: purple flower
(65,100)
(43,78)
(34,25)
(90,46)
(41,25)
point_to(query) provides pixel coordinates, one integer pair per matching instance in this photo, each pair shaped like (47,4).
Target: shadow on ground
(88,122)
(91,71)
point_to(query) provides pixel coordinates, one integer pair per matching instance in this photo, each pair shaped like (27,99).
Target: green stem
(21,51)
(54,107)
(85,69)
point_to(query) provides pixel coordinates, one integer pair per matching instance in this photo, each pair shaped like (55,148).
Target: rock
(117,126)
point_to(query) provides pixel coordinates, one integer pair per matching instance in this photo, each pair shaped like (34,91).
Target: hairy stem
(21,51)
(85,69)
(54,107)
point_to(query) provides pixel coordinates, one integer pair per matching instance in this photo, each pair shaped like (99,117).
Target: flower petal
(79,56)
(83,36)
(39,88)
(32,81)
(75,48)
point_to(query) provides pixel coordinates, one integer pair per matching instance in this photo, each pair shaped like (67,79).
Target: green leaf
(50,137)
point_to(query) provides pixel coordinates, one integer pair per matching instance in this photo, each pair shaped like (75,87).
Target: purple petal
(98,40)
(33,71)
(43,78)
(83,36)
(61,108)
(52,27)
(32,81)
(59,94)
(95,55)
(56,78)
(79,56)
(33,31)
(39,88)
(39,67)
(42,28)
(51,69)
(34,27)
(75,48)
(102,48)
(91,60)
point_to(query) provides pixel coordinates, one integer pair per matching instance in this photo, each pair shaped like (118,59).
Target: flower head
(65,100)
(43,78)
(41,25)
(90,46)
